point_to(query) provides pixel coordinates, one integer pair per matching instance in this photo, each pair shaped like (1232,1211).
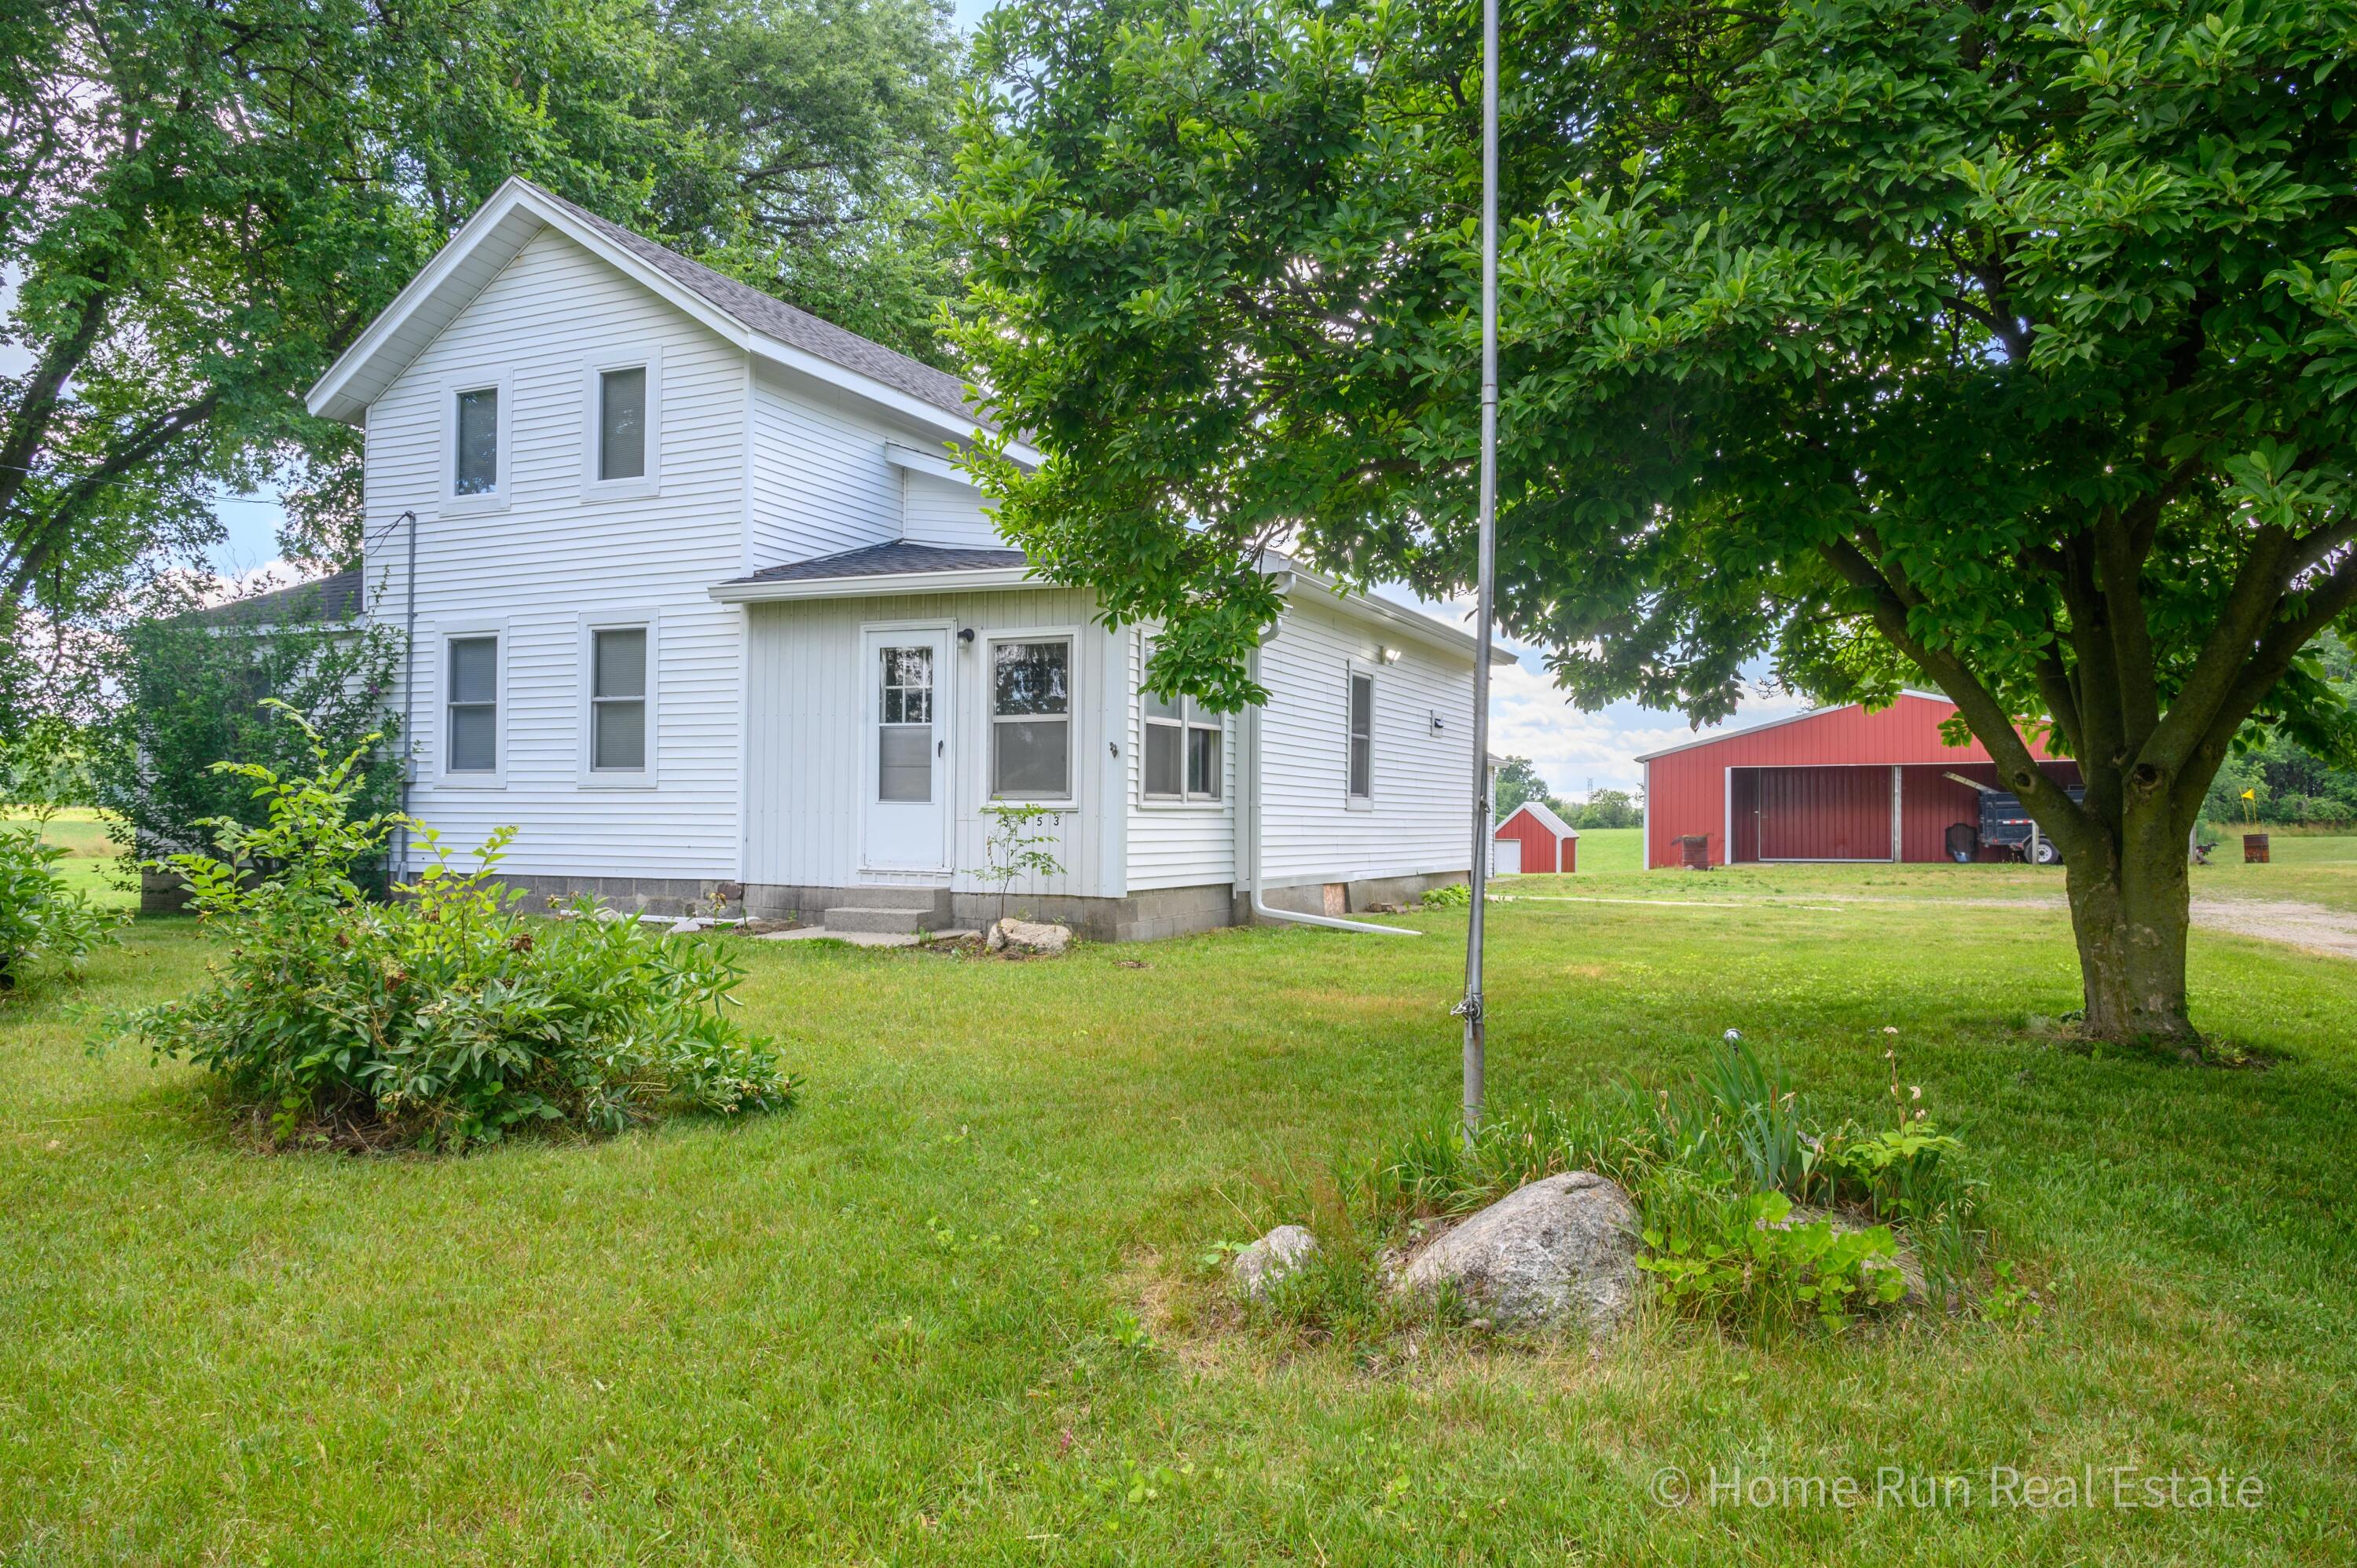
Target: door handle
(941,748)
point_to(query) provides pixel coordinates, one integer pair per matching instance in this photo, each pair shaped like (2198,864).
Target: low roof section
(900,567)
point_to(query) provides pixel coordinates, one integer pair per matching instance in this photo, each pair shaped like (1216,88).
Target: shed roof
(1542,813)
(335,597)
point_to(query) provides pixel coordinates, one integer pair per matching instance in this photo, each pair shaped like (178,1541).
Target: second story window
(478,426)
(621,407)
(622,423)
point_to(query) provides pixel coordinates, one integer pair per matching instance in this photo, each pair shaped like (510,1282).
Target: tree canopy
(203,202)
(2005,348)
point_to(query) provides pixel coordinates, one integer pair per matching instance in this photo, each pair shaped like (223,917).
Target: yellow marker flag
(2250,794)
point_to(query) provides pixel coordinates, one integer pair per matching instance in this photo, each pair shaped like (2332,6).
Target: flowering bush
(446,1017)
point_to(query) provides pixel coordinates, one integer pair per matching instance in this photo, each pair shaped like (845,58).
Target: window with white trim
(617,698)
(1363,736)
(471,743)
(622,423)
(475,445)
(1031,719)
(1182,748)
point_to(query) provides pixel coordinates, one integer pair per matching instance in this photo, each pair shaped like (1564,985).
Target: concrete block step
(870,917)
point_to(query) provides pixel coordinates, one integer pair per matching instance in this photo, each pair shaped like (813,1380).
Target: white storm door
(906,675)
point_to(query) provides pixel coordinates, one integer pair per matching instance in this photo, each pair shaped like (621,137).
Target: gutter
(986,580)
(1251,819)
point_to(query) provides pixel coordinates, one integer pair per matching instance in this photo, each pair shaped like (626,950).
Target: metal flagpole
(1485,606)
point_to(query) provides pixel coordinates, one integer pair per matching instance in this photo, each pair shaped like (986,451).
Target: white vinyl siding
(559,552)
(935,510)
(1416,819)
(821,482)
(1174,843)
(806,751)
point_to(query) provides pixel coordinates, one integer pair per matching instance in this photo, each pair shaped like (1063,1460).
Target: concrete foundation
(1137,917)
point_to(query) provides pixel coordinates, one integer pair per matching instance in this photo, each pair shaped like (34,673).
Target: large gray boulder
(1276,1256)
(1561,1250)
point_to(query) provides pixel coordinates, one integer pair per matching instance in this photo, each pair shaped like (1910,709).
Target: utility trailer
(2006,824)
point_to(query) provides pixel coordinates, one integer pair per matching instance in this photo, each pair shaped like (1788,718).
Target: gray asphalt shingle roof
(897,559)
(336,597)
(774,318)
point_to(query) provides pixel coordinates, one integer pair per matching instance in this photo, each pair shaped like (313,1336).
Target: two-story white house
(700,603)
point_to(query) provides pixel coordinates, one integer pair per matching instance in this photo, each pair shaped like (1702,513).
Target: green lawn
(90,862)
(895,1324)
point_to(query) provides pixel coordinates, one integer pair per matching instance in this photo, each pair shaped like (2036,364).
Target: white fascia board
(992,579)
(934,464)
(1398,617)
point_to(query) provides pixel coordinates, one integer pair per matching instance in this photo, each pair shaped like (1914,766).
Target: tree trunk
(2129,910)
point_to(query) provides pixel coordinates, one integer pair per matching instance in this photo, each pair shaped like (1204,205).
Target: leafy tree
(191,702)
(203,202)
(1609,808)
(2000,347)
(1519,781)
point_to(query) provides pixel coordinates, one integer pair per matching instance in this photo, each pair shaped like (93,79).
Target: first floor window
(617,698)
(1182,748)
(1363,736)
(474,706)
(477,424)
(1031,719)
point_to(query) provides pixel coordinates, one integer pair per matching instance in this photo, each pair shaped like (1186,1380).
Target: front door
(906,816)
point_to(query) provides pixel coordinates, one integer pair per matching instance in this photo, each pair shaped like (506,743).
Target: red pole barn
(1830,785)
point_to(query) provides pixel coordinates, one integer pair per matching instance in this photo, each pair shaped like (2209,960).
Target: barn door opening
(1824,814)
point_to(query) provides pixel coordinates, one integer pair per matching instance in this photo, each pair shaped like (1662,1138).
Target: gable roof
(763,325)
(1542,813)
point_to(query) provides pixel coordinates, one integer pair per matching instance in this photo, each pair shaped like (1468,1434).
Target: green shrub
(1717,1169)
(447,1017)
(1740,1259)
(1448,896)
(42,921)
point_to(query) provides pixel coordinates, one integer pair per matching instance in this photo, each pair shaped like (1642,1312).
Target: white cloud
(1573,750)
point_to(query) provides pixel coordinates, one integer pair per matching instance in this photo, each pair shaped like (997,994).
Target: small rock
(1561,1249)
(1030,935)
(1278,1255)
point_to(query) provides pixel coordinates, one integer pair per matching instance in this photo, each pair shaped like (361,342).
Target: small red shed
(1832,784)
(1546,842)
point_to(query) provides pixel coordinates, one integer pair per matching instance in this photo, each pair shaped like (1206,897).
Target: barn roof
(1717,736)
(1541,813)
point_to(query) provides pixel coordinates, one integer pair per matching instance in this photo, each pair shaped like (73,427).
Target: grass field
(91,858)
(902,1323)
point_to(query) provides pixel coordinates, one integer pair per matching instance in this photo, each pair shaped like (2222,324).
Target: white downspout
(1253,802)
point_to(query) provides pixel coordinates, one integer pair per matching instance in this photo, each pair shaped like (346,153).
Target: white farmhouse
(704,609)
